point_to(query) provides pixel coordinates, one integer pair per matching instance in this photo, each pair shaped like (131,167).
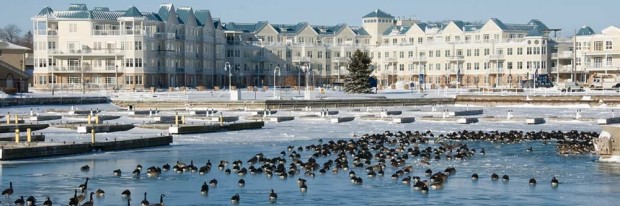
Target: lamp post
(306,68)
(227,68)
(275,87)
(116,77)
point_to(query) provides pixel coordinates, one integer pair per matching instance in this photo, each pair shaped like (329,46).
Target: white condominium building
(177,46)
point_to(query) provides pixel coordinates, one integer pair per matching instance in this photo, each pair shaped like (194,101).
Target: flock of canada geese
(375,154)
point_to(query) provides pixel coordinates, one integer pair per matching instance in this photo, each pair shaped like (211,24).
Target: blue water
(583,180)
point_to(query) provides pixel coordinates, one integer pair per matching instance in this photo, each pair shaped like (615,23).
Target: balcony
(340,59)
(562,55)
(494,57)
(391,59)
(89,52)
(301,59)
(602,53)
(562,69)
(457,58)
(420,59)
(52,32)
(106,32)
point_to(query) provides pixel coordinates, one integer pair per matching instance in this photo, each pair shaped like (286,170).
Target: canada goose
(81,197)
(74,200)
(126,193)
(494,176)
(273,196)
(241,182)
(20,201)
(529,149)
(9,191)
(100,192)
(117,172)
(166,167)
(145,202)
(235,199)
(204,190)
(90,202)
(31,200)
(84,186)
(474,176)
(85,168)
(136,172)
(47,202)
(505,178)
(139,166)
(303,187)
(554,182)
(532,182)
(213,183)
(161,201)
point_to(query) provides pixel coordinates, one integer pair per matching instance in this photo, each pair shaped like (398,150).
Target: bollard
(91,112)
(31,112)
(92,136)
(221,118)
(182,119)
(88,119)
(16,119)
(28,135)
(97,119)
(16,135)
(8,118)
(150,112)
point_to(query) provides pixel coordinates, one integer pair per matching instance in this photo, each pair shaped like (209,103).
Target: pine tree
(357,81)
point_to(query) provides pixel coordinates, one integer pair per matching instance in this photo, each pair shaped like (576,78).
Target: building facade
(12,63)
(180,47)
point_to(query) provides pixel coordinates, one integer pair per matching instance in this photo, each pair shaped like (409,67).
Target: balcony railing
(419,59)
(106,32)
(562,55)
(340,59)
(456,58)
(391,59)
(301,59)
(494,57)
(103,52)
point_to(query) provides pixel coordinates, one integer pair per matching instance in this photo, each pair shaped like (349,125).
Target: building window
(476,52)
(402,54)
(509,51)
(509,65)
(476,66)
(401,67)
(486,52)
(438,53)
(447,52)
(609,61)
(319,54)
(598,46)
(608,45)
(73,80)
(519,65)
(139,79)
(519,51)
(73,27)
(410,54)
(468,52)
(468,66)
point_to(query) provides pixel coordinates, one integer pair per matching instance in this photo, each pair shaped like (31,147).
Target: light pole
(306,68)
(275,87)
(116,77)
(227,68)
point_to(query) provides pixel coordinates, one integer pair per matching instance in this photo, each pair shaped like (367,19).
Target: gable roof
(78,7)
(585,30)
(18,73)
(378,14)
(534,32)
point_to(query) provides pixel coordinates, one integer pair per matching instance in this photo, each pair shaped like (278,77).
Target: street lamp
(275,87)
(227,68)
(306,68)
(116,77)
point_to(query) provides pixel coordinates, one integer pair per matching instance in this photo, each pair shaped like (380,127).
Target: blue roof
(164,11)
(78,7)
(184,14)
(585,30)
(378,14)
(396,30)
(46,11)
(101,9)
(534,32)
(202,16)
(132,12)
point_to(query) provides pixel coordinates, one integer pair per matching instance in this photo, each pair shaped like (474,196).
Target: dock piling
(17,136)
(16,119)
(88,119)
(29,135)
(92,136)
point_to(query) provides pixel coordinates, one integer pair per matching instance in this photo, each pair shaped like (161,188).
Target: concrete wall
(52,101)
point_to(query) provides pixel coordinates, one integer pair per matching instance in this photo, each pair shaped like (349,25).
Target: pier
(194,129)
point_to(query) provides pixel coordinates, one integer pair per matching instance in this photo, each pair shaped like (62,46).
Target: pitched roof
(101,9)
(46,11)
(585,30)
(14,70)
(184,14)
(541,26)
(78,7)
(534,32)
(202,17)
(396,30)
(11,46)
(378,14)
(132,12)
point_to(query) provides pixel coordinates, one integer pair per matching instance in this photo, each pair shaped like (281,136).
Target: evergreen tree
(357,81)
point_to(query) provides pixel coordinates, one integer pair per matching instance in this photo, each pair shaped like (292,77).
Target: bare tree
(26,40)
(10,33)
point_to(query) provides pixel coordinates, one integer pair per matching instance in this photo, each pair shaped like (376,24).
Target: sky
(567,15)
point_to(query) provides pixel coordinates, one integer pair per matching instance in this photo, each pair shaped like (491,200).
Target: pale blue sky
(564,14)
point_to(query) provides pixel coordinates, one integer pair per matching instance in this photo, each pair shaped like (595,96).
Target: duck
(100,192)
(529,149)
(47,202)
(494,176)
(482,152)
(31,201)
(532,182)
(424,188)
(9,191)
(273,196)
(84,186)
(90,202)
(85,168)
(204,190)
(235,199)
(20,201)
(303,187)
(117,172)
(161,201)
(166,167)
(554,182)
(136,172)
(241,182)
(505,178)
(428,172)
(474,176)
(145,202)
(126,193)
(213,183)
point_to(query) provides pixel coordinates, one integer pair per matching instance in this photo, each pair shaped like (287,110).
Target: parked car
(570,87)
